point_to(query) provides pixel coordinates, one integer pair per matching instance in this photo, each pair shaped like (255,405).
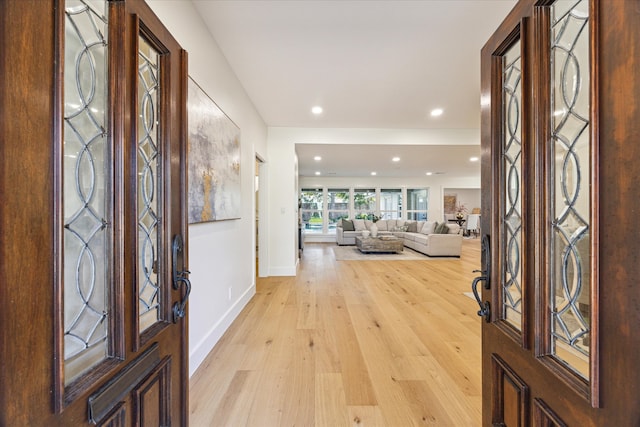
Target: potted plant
(374,228)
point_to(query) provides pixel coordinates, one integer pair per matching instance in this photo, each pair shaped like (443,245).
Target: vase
(459,215)
(374,230)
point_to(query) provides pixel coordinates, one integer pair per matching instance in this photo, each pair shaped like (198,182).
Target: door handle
(485,308)
(180,278)
(485,248)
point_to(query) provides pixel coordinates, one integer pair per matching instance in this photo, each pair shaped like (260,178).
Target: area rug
(351,253)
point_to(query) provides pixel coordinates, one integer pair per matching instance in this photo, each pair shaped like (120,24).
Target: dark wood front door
(561,143)
(92,216)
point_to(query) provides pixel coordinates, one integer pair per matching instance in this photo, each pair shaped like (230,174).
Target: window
(391,203)
(417,203)
(364,203)
(311,209)
(337,206)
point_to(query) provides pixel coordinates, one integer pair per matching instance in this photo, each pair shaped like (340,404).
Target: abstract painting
(450,201)
(214,160)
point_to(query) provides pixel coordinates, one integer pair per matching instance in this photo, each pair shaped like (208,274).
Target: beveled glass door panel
(87,189)
(570,174)
(511,195)
(149,188)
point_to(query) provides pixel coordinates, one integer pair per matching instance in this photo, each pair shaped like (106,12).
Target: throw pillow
(429,227)
(347,225)
(442,229)
(412,227)
(359,224)
(453,228)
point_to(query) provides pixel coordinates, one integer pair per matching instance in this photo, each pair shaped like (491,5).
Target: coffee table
(377,244)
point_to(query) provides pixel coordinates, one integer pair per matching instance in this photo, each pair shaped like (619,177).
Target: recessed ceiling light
(396,159)
(317,173)
(437,112)
(429,173)
(374,173)
(316,110)
(317,158)
(473,159)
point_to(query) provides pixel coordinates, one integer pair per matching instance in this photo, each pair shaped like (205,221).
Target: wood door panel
(510,394)
(543,415)
(559,395)
(152,395)
(32,389)
(117,418)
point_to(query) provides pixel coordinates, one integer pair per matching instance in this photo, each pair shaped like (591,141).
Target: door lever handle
(485,309)
(485,276)
(180,278)
(179,307)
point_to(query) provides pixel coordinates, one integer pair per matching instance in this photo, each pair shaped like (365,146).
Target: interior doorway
(260,192)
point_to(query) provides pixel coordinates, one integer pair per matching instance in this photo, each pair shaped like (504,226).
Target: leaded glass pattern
(511,221)
(86,188)
(570,172)
(148,184)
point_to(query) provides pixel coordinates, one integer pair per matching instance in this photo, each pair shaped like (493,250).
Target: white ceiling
(415,160)
(369,64)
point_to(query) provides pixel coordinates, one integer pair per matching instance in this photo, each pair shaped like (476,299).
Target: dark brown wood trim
(518,33)
(78,387)
(543,134)
(527,190)
(164,189)
(117,417)
(102,402)
(131,51)
(116,118)
(58,215)
(594,345)
(494,178)
(168,112)
(184,192)
(543,415)
(501,372)
(160,376)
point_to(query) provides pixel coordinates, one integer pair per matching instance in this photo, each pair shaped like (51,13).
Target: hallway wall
(222,253)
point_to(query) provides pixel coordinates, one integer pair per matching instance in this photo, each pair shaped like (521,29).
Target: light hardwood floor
(360,343)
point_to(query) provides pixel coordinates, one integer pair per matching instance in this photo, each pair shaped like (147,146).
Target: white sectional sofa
(417,235)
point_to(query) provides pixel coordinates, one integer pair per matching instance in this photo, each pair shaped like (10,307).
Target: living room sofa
(417,235)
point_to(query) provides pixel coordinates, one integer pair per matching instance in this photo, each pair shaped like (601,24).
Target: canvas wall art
(214,160)
(450,201)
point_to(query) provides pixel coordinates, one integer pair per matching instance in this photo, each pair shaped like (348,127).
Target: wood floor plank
(366,416)
(356,379)
(360,343)
(330,404)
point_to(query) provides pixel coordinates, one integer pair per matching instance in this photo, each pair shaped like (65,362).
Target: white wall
(283,193)
(221,254)
(470,198)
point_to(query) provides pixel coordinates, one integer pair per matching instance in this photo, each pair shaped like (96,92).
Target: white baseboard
(319,238)
(204,347)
